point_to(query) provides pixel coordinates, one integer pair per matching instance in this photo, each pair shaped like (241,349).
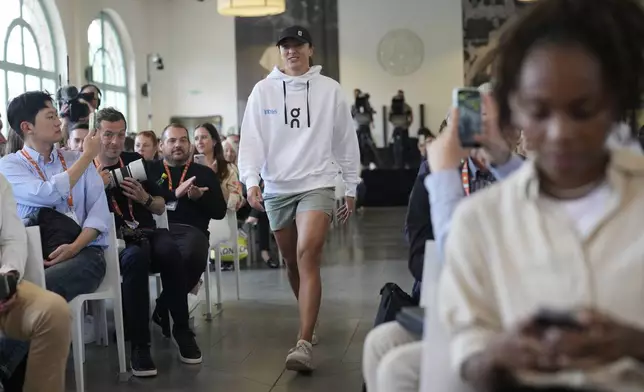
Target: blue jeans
(82,274)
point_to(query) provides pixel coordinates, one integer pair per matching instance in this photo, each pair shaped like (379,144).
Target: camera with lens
(73,104)
(363,110)
(135,236)
(135,170)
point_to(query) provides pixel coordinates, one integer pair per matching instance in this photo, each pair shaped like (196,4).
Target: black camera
(8,286)
(398,106)
(73,104)
(363,111)
(135,236)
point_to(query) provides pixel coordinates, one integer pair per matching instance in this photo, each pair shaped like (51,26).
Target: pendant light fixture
(250,8)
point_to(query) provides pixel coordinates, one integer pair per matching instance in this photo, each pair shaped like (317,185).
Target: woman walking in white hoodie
(297,133)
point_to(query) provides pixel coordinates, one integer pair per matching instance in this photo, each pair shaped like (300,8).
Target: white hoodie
(298,134)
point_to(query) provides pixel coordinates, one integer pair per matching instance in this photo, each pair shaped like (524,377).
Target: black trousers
(161,255)
(193,245)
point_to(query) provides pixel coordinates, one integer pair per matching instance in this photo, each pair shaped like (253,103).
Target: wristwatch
(149,201)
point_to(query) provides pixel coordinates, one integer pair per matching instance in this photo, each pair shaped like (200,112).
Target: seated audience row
(75,189)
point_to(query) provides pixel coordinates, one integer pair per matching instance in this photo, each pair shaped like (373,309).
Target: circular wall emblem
(401,52)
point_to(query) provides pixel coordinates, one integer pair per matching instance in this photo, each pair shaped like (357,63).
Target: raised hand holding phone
(92,142)
(446,152)
(470,109)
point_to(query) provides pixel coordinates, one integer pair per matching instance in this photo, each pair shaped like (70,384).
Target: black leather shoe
(161,317)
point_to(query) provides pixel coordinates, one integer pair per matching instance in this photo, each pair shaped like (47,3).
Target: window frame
(25,70)
(105,19)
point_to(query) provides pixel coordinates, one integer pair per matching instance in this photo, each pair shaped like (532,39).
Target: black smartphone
(8,285)
(470,119)
(555,318)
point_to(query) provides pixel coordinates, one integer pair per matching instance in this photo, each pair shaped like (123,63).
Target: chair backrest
(431,272)
(112,266)
(35,267)
(223,230)
(162,220)
(437,374)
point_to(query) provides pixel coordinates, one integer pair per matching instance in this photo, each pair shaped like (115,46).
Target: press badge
(72,215)
(171,206)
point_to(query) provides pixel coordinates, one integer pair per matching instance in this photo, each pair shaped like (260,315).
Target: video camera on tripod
(363,112)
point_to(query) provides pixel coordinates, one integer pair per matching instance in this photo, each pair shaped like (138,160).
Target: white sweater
(297,133)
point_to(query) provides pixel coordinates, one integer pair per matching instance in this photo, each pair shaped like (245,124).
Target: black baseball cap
(298,33)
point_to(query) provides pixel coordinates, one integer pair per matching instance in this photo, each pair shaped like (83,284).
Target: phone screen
(470,123)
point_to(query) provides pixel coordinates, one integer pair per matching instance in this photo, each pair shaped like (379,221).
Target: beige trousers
(43,319)
(391,359)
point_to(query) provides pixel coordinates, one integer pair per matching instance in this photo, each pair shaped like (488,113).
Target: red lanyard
(130,205)
(465,178)
(70,199)
(183,175)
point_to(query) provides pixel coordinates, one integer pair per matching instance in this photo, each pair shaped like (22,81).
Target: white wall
(437,22)
(198,48)
(202,46)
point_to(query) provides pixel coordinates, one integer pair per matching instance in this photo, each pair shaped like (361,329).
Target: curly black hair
(610,30)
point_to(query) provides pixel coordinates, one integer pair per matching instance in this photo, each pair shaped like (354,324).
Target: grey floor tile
(245,346)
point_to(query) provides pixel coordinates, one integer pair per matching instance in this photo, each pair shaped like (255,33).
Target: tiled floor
(245,346)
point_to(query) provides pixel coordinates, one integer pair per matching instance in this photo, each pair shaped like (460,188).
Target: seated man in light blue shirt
(43,176)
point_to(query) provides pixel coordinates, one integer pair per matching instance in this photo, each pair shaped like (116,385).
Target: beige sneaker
(300,357)
(314,339)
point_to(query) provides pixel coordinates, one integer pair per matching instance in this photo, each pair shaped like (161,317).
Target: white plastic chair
(110,288)
(34,269)
(437,374)
(218,238)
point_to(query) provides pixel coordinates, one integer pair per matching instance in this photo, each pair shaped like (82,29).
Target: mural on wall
(255,42)
(483,21)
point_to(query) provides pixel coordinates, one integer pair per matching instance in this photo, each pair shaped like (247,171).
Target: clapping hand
(196,192)
(182,189)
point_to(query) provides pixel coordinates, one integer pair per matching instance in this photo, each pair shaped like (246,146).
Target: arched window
(108,64)
(27,51)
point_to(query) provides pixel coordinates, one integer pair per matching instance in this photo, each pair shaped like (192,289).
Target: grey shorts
(282,209)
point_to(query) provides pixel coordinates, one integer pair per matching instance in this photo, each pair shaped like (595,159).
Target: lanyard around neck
(70,199)
(465,177)
(183,175)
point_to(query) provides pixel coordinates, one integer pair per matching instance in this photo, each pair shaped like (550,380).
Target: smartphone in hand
(547,318)
(200,159)
(8,286)
(470,120)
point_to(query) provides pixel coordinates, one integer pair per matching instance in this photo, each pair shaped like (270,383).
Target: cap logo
(299,32)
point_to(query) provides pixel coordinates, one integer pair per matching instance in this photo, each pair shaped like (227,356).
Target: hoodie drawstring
(308,109)
(285,109)
(308,106)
